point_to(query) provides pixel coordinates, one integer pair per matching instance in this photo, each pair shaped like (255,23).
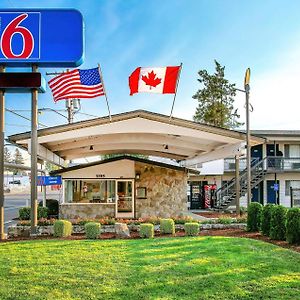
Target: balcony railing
(272,164)
(229,164)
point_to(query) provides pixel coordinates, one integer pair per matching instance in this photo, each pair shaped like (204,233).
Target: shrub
(147,230)
(167,226)
(24,213)
(266,219)
(293,226)
(224,220)
(183,219)
(192,228)
(254,216)
(92,230)
(52,206)
(241,220)
(278,220)
(42,212)
(208,221)
(62,228)
(243,210)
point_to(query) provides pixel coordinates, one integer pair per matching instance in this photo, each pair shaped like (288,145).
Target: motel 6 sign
(47,38)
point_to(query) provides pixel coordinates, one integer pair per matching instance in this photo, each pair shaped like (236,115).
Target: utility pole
(72,106)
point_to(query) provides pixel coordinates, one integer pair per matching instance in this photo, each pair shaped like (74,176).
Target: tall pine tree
(18,159)
(216,99)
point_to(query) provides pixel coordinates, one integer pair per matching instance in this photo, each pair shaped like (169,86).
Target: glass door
(125,199)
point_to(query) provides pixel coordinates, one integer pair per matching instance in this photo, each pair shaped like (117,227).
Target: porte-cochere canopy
(140,132)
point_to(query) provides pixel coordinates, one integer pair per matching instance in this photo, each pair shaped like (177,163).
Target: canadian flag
(154,80)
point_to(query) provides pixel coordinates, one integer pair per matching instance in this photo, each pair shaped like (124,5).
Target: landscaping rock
(18,231)
(122,230)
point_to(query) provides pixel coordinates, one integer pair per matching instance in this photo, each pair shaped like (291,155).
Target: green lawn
(167,268)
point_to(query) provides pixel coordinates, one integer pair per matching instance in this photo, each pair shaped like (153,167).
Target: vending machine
(197,194)
(209,196)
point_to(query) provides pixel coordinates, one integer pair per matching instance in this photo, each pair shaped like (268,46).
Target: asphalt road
(12,203)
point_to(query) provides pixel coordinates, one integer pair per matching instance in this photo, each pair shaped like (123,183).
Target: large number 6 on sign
(8,33)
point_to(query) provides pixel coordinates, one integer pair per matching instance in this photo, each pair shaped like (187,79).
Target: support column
(34,141)
(2,118)
(237,184)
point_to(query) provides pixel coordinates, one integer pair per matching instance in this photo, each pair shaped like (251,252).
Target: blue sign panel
(49,180)
(48,38)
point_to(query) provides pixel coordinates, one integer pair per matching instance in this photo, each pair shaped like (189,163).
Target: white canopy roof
(140,132)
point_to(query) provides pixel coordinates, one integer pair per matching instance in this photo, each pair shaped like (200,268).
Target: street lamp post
(246,90)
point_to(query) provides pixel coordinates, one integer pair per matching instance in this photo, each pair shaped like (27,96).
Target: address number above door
(48,38)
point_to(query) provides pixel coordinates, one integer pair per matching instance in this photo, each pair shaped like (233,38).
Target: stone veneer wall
(86,211)
(166,191)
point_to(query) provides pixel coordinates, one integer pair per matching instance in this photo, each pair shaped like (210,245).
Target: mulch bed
(214,214)
(212,232)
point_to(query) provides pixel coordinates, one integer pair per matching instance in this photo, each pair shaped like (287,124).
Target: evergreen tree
(216,99)
(7,157)
(18,159)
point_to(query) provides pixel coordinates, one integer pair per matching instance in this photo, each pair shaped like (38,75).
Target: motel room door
(124,198)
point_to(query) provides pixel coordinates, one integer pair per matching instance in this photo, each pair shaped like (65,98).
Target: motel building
(127,186)
(275,169)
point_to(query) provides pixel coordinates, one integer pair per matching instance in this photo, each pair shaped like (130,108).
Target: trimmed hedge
(167,226)
(278,220)
(191,229)
(254,216)
(24,213)
(147,230)
(293,226)
(62,228)
(92,230)
(266,219)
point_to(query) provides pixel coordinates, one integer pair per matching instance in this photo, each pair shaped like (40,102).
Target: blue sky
(122,35)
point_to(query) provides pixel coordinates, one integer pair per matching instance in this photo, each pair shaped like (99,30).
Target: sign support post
(2,118)
(34,124)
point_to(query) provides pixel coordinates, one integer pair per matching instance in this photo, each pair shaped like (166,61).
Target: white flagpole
(175,92)
(100,73)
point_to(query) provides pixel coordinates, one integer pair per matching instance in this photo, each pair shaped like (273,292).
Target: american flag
(77,84)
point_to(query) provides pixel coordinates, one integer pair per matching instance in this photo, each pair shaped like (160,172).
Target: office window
(90,191)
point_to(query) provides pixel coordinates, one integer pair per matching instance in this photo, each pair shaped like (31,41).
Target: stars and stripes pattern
(77,84)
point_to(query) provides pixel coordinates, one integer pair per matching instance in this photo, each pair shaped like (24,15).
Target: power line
(89,115)
(13,112)
(16,125)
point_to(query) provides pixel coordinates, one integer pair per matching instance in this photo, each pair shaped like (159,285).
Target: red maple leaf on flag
(151,80)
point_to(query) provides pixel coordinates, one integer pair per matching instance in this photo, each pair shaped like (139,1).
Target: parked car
(17,182)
